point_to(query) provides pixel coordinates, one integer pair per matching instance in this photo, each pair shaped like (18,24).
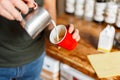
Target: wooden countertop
(77,58)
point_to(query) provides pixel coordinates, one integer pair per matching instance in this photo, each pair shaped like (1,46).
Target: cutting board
(106,65)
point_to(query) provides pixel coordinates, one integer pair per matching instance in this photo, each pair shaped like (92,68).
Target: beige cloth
(106,65)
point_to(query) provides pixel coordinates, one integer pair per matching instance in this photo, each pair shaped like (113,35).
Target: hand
(31,3)
(12,9)
(74,32)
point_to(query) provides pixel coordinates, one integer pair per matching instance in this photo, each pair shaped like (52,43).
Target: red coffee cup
(65,38)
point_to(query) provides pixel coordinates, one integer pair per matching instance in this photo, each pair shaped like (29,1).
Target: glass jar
(111,12)
(79,8)
(70,6)
(100,7)
(89,9)
(118,17)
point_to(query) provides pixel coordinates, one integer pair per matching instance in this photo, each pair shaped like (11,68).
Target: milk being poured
(54,24)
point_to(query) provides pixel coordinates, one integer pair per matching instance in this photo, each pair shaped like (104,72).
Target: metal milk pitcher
(36,21)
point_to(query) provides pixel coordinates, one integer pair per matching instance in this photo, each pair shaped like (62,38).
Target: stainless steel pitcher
(36,21)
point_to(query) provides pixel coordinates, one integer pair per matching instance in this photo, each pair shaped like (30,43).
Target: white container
(111,12)
(106,39)
(89,9)
(79,8)
(70,6)
(99,11)
(118,18)
(51,64)
(69,73)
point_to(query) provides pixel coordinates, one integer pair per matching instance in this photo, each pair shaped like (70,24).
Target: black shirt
(16,46)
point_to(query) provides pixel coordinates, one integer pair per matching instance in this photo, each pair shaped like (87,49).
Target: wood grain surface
(77,58)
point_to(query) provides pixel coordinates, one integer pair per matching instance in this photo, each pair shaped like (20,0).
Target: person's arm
(50,5)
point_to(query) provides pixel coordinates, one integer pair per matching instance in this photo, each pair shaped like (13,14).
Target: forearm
(50,5)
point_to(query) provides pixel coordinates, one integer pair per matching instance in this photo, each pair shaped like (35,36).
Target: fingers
(4,13)
(12,9)
(19,4)
(74,32)
(35,5)
(76,35)
(71,28)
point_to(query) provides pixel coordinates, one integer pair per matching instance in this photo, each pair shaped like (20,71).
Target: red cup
(65,38)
